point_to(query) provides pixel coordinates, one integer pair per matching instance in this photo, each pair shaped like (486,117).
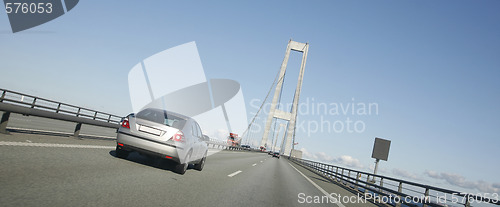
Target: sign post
(380,151)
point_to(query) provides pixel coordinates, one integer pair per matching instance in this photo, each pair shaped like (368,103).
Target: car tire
(199,166)
(181,168)
(120,153)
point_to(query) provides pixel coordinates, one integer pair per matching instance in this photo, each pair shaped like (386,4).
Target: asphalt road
(41,170)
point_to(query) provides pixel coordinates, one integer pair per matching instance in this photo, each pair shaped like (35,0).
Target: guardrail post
(336,174)
(4,122)
(381,184)
(3,96)
(400,190)
(467,201)
(33,103)
(77,130)
(349,175)
(95,115)
(342,175)
(330,172)
(78,113)
(426,198)
(367,181)
(357,179)
(58,107)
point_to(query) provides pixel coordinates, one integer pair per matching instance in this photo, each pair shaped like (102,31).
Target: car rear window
(162,117)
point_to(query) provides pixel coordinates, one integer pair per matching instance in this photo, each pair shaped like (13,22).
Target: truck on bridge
(233,140)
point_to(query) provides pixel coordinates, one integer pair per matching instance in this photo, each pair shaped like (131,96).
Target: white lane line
(261,161)
(235,173)
(254,164)
(30,144)
(55,132)
(213,151)
(319,188)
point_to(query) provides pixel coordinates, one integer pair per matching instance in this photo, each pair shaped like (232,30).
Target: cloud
(220,134)
(344,160)
(306,154)
(348,161)
(433,174)
(461,181)
(324,157)
(404,174)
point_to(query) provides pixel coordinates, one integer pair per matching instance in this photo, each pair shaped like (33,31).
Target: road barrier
(15,102)
(394,192)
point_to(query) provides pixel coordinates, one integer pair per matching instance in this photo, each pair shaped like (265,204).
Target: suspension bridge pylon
(280,114)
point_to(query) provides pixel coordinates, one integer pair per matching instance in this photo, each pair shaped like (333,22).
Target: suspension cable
(263,102)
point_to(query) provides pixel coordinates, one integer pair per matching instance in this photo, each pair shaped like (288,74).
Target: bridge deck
(57,171)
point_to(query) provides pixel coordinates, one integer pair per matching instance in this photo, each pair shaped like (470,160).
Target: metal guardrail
(218,145)
(15,102)
(394,192)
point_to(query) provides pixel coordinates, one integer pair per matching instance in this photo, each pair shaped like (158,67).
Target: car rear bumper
(145,146)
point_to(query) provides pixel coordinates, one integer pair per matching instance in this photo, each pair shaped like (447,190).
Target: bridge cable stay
(275,119)
(276,80)
(286,131)
(261,106)
(294,127)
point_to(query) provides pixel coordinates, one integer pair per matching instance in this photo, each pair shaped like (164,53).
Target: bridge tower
(279,114)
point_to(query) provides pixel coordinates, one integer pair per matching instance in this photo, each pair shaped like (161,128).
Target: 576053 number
(26,8)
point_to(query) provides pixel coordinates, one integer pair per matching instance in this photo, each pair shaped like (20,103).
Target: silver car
(164,134)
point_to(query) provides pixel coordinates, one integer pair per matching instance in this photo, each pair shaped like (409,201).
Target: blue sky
(431,66)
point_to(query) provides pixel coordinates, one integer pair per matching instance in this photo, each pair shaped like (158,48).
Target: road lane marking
(213,151)
(319,188)
(55,132)
(235,173)
(261,161)
(31,144)
(254,164)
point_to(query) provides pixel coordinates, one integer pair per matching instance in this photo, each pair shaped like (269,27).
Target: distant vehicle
(270,152)
(233,140)
(245,146)
(276,154)
(164,134)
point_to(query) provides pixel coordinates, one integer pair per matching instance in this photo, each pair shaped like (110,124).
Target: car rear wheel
(200,165)
(181,168)
(120,153)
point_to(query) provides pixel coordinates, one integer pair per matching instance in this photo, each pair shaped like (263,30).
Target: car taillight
(125,123)
(178,137)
